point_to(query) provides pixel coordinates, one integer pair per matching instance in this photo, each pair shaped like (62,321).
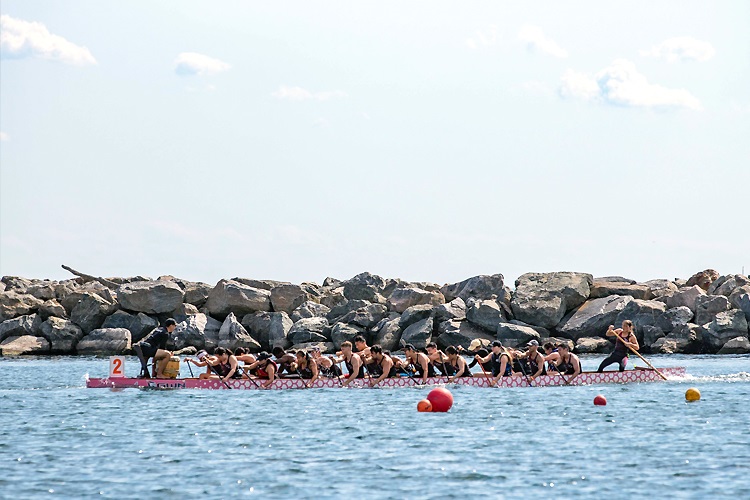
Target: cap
(263,355)
(533,342)
(497,343)
(478,344)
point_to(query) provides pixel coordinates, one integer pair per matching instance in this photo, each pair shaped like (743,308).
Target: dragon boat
(478,380)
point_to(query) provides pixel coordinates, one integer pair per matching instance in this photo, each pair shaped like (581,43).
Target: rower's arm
(462,369)
(232,368)
(425,364)
(356,363)
(540,369)
(633,342)
(388,364)
(271,370)
(315,372)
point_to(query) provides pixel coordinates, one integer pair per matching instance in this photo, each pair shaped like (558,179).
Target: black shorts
(148,350)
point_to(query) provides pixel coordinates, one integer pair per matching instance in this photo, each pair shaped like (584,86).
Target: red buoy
(424,406)
(441,399)
(600,400)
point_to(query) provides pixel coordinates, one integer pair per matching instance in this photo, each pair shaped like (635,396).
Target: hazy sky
(423,140)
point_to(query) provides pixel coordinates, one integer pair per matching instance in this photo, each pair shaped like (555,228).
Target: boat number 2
(116,366)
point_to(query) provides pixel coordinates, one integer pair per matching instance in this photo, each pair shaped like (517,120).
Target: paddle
(520,363)
(551,364)
(639,355)
(489,383)
(249,376)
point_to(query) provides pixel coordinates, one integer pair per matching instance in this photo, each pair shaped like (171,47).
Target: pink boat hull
(479,380)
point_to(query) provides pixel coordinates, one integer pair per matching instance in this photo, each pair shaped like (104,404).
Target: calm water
(58,438)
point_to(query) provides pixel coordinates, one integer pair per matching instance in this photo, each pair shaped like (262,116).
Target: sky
(431,141)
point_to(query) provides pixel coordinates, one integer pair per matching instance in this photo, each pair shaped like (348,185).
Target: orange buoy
(424,406)
(441,399)
(600,400)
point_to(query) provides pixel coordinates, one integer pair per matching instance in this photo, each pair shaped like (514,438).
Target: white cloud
(286,93)
(483,38)
(192,63)
(621,84)
(21,39)
(681,49)
(535,39)
(4,137)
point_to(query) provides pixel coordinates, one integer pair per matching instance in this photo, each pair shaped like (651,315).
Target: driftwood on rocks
(87,277)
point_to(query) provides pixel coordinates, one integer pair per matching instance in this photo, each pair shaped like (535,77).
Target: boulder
(107,341)
(460,333)
(364,286)
(558,340)
(614,279)
(197,293)
(260,284)
(90,312)
(606,288)
(325,347)
(403,298)
(485,314)
(366,317)
(672,318)
(233,335)
(742,302)
(724,327)
(43,290)
(342,332)
(287,298)
(388,334)
(703,279)
(708,306)
(310,309)
(543,298)
(414,314)
(669,345)
(196,330)
(688,337)
(271,329)
(333,299)
(641,313)
(513,335)
(150,297)
(14,304)
(450,311)
(725,285)
(308,330)
(737,345)
(588,345)
(685,297)
(25,344)
(341,310)
(661,287)
(139,324)
(52,308)
(419,334)
(331,282)
(16,283)
(27,324)
(650,335)
(479,287)
(183,311)
(540,330)
(593,318)
(63,335)
(230,296)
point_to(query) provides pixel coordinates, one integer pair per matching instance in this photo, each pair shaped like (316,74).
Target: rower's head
(451,352)
(302,355)
(360,342)
(410,350)
(315,352)
(563,348)
(263,358)
(549,348)
(431,348)
(278,352)
(170,325)
(240,351)
(497,347)
(533,345)
(346,347)
(627,326)
(222,354)
(376,352)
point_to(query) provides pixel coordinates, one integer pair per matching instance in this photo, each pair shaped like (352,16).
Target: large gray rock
(650,335)
(460,333)
(260,284)
(16,283)
(197,330)
(727,284)
(661,287)
(139,324)
(27,324)
(485,314)
(364,286)
(606,288)
(588,345)
(90,312)
(724,327)
(642,313)
(287,298)
(742,302)
(309,330)
(341,310)
(367,316)
(270,329)
(543,298)
(25,344)
(737,345)
(479,287)
(688,339)
(342,332)
(310,309)
(325,347)
(685,297)
(513,335)
(52,308)
(388,334)
(403,298)
(43,290)
(593,318)
(419,334)
(708,306)
(197,293)
(109,341)
(233,335)
(669,345)
(672,318)
(333,299)
(230,296)
(450,311)
(14,304)
(150,297)
(540,330)
(63,335)
(414,314)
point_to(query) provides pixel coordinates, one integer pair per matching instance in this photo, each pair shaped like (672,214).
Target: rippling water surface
(58,438)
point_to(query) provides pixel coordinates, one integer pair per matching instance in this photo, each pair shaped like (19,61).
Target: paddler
(380,365)
(455,364)
(624,338)
(500,361)
(154,346)
(568,364)
(265,368)
(360,344)
(352,361)
(420,362)
(222,365)
(326,366)
(286,361)
(307,368)
(533,360)
(437,358)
